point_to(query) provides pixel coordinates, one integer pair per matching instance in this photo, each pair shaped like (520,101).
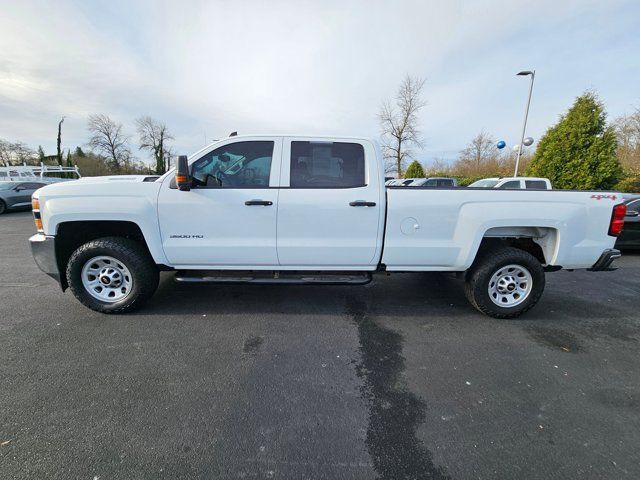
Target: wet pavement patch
(555,338)
(394,412)
(252,344)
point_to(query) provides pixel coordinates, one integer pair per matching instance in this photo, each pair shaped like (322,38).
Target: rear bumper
(604,263)
(43,248)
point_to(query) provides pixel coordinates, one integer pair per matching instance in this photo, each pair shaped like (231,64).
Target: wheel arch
(72,234)
(541,242)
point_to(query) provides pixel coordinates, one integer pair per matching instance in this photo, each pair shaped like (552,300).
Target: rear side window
(327,165)
(535,184)
(634,206)
(511,185)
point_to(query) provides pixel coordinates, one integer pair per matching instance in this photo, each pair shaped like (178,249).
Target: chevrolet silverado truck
(312,210)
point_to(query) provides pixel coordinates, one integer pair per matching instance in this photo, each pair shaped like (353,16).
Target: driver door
(228,218)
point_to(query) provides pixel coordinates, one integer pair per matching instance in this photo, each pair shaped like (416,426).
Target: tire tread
(486,264)
(136,257)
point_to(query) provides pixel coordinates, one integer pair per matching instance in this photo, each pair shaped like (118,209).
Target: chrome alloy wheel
(106,279)
(510,286)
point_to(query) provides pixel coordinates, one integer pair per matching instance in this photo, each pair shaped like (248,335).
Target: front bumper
(43,248)
(604,263)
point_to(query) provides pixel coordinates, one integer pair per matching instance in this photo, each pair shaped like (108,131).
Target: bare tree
(627,129)
(399,124)
(438,167)
(16,153)
(479,157)
(109,140)
(152,136)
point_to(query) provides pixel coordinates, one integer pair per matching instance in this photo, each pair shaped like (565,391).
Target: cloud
(207,68)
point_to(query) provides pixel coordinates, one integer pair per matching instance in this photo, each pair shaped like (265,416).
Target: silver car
(17,195)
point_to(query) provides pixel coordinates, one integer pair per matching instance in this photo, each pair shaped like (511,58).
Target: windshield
(7,185)
(486,183)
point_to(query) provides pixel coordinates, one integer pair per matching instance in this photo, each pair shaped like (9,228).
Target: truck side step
(271,277)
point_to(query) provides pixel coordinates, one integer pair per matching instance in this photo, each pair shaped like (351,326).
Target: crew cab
(300,209)
(514,183)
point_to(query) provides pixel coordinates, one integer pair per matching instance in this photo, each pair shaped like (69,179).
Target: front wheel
(112,275)
(505,283)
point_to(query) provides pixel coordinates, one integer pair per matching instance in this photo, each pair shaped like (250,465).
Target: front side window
(487,183)
(327,165)
(237,165)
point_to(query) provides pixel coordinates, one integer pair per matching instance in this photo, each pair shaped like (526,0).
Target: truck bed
(442,229)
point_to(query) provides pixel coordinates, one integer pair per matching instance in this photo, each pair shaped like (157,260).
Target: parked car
(17,195)
(311,210)
(434,182)
(399,182)
(514,183)
(629,239)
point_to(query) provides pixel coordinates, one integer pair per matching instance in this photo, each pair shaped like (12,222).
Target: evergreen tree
(80,153)
(69,161)
(579,152)
(40,153)
(59,142)
(414,170)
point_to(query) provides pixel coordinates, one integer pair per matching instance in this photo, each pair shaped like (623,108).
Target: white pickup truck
(296,209)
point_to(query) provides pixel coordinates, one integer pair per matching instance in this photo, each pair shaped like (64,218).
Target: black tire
(135,257)
(3,207)
(490,262)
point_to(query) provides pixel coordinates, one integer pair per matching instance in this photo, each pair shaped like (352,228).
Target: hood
(113,184)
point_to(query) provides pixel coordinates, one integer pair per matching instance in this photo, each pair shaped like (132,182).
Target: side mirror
(632,213)
(183,180)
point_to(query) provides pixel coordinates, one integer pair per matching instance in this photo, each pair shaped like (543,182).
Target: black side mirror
(183,179)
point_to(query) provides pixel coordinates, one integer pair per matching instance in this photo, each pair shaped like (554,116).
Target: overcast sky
(209,68)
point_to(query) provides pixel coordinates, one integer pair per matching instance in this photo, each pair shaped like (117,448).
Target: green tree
(40,153)
(69,161)
(59,142)
(80,152)
(630,184)
(414,170)
(579,152)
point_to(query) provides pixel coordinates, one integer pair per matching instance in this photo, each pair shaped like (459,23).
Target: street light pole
(526,114)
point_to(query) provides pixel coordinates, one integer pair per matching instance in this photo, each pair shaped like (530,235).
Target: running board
(292,278)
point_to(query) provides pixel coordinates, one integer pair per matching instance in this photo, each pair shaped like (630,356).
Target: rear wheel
(112,275)
(505,283)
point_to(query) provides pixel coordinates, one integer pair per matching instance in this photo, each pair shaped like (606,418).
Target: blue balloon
(501,144)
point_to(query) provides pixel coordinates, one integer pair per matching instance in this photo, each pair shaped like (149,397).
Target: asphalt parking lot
(398,379)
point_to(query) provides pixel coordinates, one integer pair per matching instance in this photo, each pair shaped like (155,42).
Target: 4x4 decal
(600,196)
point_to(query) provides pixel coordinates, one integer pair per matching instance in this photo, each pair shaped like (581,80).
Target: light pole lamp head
(524,73)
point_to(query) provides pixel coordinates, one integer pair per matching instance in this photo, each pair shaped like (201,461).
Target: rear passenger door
(331,205)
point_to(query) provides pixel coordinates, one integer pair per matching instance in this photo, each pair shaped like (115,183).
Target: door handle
(265,203)
(362,203)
